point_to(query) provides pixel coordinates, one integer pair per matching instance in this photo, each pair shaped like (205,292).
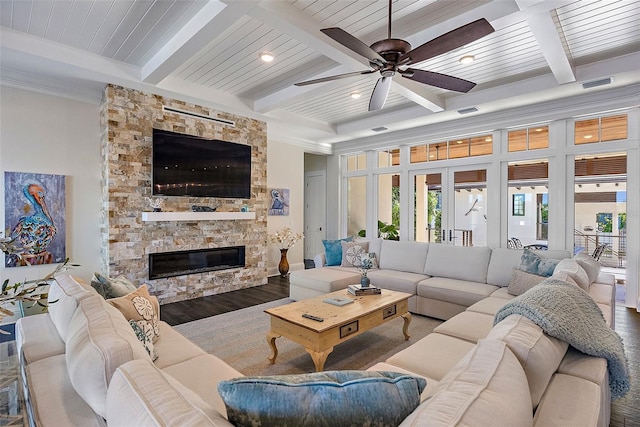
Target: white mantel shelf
(196,216)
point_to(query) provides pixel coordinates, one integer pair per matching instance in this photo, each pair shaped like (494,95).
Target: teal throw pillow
(332,398)
(529,262)
(333,250)
(533,263)
(112,288)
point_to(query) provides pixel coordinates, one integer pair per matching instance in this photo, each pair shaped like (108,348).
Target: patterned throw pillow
(331,398)
(142,308)
(352,253)
(532,263)
(108,287)
(144,339)
(333,250)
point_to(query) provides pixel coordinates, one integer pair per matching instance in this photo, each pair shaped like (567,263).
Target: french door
(450,205)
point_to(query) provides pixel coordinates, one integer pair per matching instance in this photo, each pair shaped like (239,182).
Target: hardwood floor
(176,313)
(625,412)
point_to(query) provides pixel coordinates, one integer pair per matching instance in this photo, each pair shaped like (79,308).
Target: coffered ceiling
(207,52)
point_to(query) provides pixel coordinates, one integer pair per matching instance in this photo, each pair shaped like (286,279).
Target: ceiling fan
(389,56)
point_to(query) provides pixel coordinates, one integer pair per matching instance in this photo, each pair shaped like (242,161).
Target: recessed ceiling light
(588,136)
(467,59)
(458,142)
(539,130)
(266,56)
(355,95)
(489,139)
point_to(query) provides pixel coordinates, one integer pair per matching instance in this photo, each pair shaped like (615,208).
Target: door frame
(307,210)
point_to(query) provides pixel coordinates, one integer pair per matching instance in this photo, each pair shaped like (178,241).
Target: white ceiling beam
(211,21)
(544,30)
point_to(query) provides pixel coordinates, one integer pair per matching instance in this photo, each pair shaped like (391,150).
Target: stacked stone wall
(128,118)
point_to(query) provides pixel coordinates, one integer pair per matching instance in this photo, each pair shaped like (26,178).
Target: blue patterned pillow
(332,398)
(529,262)
(333,250)
(532,263)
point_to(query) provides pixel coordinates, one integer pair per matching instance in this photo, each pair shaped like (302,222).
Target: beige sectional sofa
(468,363)
(82,364)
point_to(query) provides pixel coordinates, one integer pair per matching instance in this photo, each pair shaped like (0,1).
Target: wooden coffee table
(340,323)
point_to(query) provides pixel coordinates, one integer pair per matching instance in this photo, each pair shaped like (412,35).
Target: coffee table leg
(271,339)
(405,328)
(319,357)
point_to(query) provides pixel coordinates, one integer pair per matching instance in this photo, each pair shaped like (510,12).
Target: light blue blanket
(566,312)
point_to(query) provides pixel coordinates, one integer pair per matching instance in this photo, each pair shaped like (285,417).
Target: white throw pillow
(352,253)
(590,265)
(573,270)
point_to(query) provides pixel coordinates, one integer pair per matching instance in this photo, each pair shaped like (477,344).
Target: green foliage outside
(434,215)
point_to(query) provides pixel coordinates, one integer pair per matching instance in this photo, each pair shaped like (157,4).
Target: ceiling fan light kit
(389,56)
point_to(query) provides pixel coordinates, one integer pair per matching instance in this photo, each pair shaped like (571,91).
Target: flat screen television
(185,165)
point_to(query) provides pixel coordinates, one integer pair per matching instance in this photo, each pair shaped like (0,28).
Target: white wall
(285,169)
(47,134)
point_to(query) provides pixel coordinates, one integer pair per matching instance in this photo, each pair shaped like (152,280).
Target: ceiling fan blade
(380,92)
(443,81)
(449,41)
(356,45)
(336,77)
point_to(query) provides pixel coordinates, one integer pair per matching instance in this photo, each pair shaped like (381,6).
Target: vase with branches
(284,239)
(31,292)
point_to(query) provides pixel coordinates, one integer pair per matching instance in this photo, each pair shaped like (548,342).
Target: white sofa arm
(319,260)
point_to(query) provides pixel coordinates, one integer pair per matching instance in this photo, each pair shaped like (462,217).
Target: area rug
(239,338)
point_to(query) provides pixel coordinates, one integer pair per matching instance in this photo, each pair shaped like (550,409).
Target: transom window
(357,162)
(601,129)
(388,158)
(533,138)
(453,149)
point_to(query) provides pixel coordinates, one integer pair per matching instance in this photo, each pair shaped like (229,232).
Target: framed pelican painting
(35,217)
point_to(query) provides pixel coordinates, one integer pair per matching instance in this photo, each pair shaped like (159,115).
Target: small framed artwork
(518,205)
(279,201)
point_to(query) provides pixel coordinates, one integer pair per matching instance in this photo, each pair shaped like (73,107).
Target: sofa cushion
(37,338)
(324,279)
(64,294)
(458,262)
(486,388)
(502,261)
(539,354)
(521,282)
(100,340)
(174,348)
(456,291)
(140,394)
(575,271)
(352,253)
(489,305)
(432,356)
(333,250)
(109,287)
(502,293)
(202,374)
(400,281)
(403,256)
(590,266)
(142,308)
(468,325)
(569,401)
(322,398)
(386,367)
(52,398)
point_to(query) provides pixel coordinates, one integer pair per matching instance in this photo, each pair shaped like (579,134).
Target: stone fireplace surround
(127,119)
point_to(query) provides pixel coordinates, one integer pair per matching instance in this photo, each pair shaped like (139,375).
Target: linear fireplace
(169,264)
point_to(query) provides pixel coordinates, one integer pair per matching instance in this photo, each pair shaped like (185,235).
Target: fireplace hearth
(179,263)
